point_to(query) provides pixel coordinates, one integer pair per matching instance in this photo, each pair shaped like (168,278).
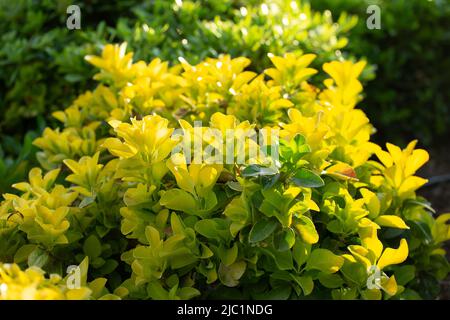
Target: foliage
(410,52)
(31,284)
(160,225)
(42,61)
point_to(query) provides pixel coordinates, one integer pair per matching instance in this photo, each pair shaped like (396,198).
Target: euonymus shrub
(330,215)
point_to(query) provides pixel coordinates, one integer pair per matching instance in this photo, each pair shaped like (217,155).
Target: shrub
(42,61)
(320,221)
(41,51)
(410,52)
(31,284)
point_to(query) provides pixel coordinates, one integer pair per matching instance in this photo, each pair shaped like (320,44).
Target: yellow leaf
(391,221)
(389,285)
(411,184)
(278,62)
(342,171)
(281,103)
(393,256)
(369,238)
(307,230)
(274,74)
(177,165)
(371,294)
(371,200)
(417,159)
(305,60)
(395,152)
(439,252)
(242,79)
(384,157)
(78,294)
(117,148)
(441,230)
(443,218)
(360,253)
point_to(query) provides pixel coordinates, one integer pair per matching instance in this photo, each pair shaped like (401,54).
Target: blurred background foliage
(42,65)
(410,98)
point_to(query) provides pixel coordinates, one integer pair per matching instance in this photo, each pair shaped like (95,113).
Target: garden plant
(43,65)
(122,196)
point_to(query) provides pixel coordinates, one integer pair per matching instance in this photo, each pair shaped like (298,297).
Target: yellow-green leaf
(391,221)
(307,230)
(324,260)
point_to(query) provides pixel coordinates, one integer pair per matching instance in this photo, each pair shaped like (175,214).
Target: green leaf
(38,258)
(262,229)
(420,202)
(284,240)
(182,258)
(92,247)
(298,141)
(324,260)
(371,294)
(109,266)
(410,294)
(354,272)
(98,262)
(234,185)
(344,294)
(230,275)
(97,286)
(101,230)
(301,252)
(207,228)
(86,201)
(178,199)
(255,170)
(187,293)
(161,219)
(23,253)
(299,147)
(270,181)
(422,230)
(331,281)
(213,228)
(307,230)
(307,178)
(209,202)
(237,211)
(283,259)
(278,293)
(156,291)
(228,256)
(295,149)
(404,274)
(305,282)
